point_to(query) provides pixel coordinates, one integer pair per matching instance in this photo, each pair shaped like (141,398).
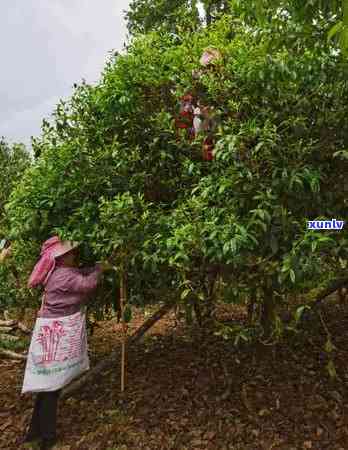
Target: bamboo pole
(123,302)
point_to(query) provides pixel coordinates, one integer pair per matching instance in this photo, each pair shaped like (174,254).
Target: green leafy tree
(317,19)
(14,159)
(147,15)
(113,173)
(144,16)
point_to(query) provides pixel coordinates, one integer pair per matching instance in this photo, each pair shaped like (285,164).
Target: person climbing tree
(184,120)
(204,123)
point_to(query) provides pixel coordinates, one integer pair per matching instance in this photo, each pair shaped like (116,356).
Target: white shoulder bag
(58,353)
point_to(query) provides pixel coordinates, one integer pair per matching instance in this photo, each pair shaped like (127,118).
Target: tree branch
(333,287)
(114,355)
(12,355)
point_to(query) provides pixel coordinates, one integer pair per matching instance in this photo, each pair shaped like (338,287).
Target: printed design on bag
(49,338)
(59,341)
(46,371)
(77,338)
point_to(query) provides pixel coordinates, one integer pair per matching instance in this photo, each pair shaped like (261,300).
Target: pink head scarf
(50,250)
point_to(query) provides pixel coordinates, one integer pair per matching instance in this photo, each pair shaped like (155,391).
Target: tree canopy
(111,171)
(14,159)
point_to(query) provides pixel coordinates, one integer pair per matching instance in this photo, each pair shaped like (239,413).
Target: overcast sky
(45,47)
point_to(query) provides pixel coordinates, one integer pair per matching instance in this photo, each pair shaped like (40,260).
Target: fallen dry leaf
(6,424)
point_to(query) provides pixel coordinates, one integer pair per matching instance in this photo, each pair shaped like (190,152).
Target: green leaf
(300,311)
(261,214)
(127,314)
(329,347)
(334,30)
(292,275)
(253,238)
(344,40)
(330,367)
(222,188)
(213,234)
(341,153)
(262,225)
(233,245)
(185,293)
(258,147)
(226,248)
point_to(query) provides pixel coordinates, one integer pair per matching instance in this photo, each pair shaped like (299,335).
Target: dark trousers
(44,419)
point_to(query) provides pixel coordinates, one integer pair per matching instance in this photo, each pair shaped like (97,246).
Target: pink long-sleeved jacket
(67,289)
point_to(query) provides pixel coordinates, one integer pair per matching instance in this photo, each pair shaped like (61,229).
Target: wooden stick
(13,355)
(122,303)
(8,323)
(123,357)
(7,315)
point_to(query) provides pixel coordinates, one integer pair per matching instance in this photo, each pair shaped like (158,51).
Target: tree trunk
(123,303)
(268,312)
(208,11)
(194,9)
(198,312)
(225,6)
(105,363)
(342,295)
(251,306)
(209,302)
(333,287)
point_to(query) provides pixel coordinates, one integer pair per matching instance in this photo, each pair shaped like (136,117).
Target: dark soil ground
(188,391)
